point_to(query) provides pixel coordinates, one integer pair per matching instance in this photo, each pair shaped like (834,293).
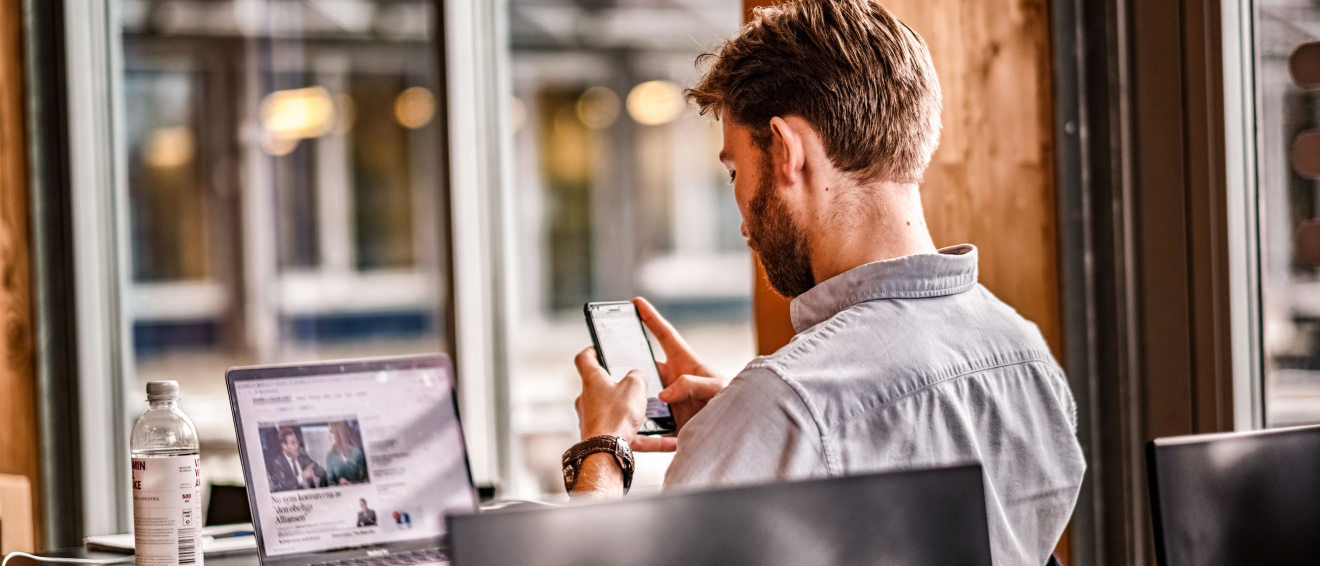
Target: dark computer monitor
(917,518)
(1236,499)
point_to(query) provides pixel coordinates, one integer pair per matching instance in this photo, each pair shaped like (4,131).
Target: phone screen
(622,345)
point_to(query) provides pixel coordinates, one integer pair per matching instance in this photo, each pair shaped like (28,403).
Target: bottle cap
(162,390)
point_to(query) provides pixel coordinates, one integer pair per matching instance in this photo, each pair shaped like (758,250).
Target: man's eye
(733,175)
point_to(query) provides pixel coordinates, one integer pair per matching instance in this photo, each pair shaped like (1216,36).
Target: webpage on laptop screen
(353,459)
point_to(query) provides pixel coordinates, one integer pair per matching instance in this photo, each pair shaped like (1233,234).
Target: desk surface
(247,558)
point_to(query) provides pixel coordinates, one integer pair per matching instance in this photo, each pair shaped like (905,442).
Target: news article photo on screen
(352,459)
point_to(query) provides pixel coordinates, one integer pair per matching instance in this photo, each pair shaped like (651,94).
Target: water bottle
(167,482)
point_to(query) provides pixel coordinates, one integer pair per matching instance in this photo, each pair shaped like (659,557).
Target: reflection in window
(617,193)
(1289,199)
(283,193)
(167,193)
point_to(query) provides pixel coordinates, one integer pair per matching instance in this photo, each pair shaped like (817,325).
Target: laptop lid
(1238,498)
(916,518)
(351,458)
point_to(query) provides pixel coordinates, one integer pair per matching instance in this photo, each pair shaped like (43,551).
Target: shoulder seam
(827,452)
(812,335)
(970,372)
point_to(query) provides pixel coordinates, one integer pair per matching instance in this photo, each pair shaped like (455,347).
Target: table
(244,558)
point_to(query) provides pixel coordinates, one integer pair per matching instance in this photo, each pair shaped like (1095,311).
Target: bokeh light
(414,108)
(655,102)
(298,113)
(598,107)
(170,147)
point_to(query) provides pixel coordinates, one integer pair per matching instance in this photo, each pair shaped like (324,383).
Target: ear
(786,152)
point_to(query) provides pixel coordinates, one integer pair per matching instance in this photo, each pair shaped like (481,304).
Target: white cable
(5,562)
(543,503)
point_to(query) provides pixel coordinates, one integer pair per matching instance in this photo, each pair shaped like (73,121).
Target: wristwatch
(614,445)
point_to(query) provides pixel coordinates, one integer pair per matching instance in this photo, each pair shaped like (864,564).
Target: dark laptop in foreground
(353,462)
(1237,499)
(915,518)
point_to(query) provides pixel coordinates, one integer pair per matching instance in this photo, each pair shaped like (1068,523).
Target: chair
(227,505)
(917,518)
(1236,499)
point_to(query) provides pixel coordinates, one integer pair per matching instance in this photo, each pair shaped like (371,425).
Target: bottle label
(167,510)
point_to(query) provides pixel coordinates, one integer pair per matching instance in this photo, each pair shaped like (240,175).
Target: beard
(777,240)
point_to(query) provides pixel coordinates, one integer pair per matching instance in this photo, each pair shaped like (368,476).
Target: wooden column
(19,451)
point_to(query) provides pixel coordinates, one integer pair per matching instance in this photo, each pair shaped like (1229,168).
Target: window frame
(1240,132)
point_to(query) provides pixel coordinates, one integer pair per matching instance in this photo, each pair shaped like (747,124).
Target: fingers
(691,387)
(642,443)
(588,367)
(633,380)
(669,339)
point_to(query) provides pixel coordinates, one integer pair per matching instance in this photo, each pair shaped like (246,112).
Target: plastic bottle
(167,482)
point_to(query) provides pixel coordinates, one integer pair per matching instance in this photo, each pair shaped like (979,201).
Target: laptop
(934,517)
(1238,498)
(351,462)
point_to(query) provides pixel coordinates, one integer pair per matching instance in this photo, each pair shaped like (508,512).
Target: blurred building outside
(1290,288)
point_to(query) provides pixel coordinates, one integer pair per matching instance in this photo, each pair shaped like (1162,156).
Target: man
(291,469)
(830,112)
(366,517)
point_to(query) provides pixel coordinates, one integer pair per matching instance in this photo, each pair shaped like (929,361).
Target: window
(1286,113)
(283,192)
(267,182)
(617,192)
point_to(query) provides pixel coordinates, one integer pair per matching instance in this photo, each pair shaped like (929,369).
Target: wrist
(626,433)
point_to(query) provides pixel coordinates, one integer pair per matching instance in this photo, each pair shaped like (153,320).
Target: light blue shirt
(898,364)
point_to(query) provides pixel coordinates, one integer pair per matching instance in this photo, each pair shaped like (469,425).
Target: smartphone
(621,346)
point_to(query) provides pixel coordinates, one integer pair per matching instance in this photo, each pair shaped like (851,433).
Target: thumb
(691,387)
(588,368)
(653,444)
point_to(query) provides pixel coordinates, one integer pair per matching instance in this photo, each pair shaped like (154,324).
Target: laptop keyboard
(400,559)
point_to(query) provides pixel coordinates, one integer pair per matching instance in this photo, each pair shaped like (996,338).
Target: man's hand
(606,407)
(689,384)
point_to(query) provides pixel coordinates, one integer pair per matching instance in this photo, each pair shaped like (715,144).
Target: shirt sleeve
(757,430)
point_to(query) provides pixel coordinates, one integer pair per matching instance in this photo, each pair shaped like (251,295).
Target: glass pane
(618,193)
(1289,210)
(284,197)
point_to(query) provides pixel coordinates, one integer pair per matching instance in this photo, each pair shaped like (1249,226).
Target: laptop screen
(360,454)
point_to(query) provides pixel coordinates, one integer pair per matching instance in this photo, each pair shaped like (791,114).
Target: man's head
(363,503)
(289,442)
(839,90)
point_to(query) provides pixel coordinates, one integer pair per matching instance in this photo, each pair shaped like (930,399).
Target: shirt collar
(950,271)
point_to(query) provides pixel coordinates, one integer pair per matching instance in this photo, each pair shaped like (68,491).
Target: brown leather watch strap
(618,447)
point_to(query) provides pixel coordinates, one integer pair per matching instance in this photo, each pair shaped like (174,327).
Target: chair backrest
(917,518)
(227,505)
(1236,499)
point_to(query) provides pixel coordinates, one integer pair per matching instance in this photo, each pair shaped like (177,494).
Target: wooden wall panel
(19,452)
(991,183)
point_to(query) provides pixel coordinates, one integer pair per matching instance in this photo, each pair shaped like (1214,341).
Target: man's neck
(891,226)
